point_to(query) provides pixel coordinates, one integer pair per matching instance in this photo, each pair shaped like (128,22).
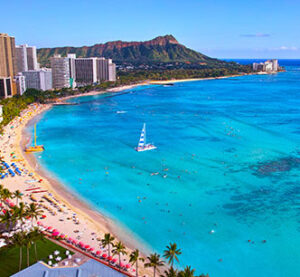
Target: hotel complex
(267,66)
(7,66)
(20,70)
(71,71)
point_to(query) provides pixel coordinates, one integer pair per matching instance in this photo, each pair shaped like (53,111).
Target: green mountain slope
(161,49)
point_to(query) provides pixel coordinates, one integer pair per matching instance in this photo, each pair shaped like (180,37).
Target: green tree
(33,211)
(172,253)
(17,240)
(18,195)
(119,250)
(134,258)
(28,244)
(171,272)
(155,262)
(35,236)
(8,219)
(107,241)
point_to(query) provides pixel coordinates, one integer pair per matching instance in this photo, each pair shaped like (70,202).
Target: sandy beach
(64,210)
(70,215)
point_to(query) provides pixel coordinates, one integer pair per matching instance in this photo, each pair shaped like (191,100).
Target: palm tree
(18,195)
(171,253)
(5,194)
(8,219)
(155,262)
(28,243)
(187,272)
(33,211)
(18,240)
(119,249)
(20,212)
(171,272)
(134,258)
(108,241)
(36,235)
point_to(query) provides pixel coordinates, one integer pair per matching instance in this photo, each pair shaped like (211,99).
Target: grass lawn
(9,257)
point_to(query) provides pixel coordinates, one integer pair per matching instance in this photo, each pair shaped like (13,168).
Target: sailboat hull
(145,148)
(38,148)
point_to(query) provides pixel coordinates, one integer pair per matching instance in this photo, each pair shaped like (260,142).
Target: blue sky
(218,28)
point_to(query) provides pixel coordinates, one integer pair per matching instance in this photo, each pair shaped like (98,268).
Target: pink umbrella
(104,255)
(122,265)
(133,270)
(98,253)
(49,228)
(75,241)
(39,223)
(91,249)
(54,230)
(109,258)
(62,236)
(128,266)
(81,243)
(87,246)
(114,260)
(55,234)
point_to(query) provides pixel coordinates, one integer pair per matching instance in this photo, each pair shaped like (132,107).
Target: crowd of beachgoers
(59,219)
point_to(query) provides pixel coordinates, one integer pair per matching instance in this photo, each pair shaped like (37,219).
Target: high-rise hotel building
(61,75)
(7,66)
(26,58)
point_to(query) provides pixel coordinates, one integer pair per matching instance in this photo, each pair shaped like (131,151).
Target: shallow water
(229,150)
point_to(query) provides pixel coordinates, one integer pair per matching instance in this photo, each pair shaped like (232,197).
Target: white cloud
(286,48)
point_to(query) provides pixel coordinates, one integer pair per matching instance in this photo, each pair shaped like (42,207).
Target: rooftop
(88,269)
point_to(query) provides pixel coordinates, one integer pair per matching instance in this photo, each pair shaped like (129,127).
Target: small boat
(35,148)
(143,146)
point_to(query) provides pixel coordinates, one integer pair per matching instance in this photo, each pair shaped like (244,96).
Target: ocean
(228,162)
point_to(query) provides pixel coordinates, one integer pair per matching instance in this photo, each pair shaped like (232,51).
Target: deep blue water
(230,152)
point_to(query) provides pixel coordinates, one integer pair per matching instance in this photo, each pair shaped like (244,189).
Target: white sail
(142,140)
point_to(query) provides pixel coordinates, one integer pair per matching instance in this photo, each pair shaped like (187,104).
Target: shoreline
(154,82)
(91,221)
(70,198)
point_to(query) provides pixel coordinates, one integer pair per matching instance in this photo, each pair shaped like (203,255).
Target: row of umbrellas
(55,233)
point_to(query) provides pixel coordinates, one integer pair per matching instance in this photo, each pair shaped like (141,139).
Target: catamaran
(35,148)
(143,146)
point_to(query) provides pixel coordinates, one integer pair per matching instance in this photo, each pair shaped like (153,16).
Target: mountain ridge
(162,49)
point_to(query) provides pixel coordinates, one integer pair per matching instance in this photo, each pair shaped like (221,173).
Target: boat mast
(34,134)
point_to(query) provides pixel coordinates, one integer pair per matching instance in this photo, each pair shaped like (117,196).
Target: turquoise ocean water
(228,159)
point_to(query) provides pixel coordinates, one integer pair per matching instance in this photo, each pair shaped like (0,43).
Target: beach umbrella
(44,216)
(75,241)
(87,246)
(81,243)
(98,253)
(109,258)
(49,228)
(114,260)
(91,249)
(128,266)
(55,234)
(122,265)
(104,255)
(62,236)
(39,223)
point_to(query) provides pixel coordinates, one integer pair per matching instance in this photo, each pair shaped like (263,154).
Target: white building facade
(20,83)
(60,72)
(40,79)
(26,58)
